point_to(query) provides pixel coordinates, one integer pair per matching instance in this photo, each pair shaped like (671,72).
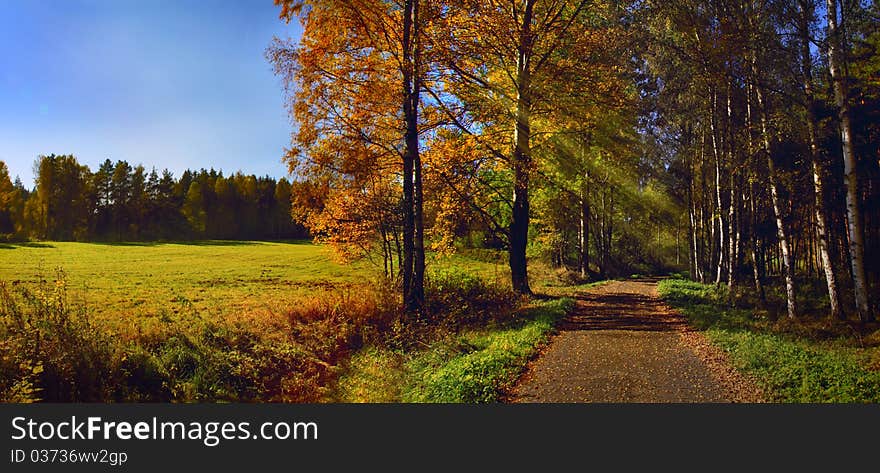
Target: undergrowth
(51,349)
(477,364)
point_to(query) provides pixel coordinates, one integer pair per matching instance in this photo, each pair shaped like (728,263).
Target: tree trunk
(731,212)
(696,273)
(522,158)
(774,197)
(386,254)
(756,270)
(584,260)
(740,221)
(678,241)
(418,287)
(818,179)
(851,178)
(717,154)
(413,250)
(609,228)
(709,214)
(417,294)
(707,225)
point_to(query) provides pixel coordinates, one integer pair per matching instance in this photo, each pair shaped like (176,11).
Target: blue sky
(167,83)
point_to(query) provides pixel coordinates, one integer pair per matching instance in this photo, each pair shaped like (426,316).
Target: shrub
(50,348)
(458,299)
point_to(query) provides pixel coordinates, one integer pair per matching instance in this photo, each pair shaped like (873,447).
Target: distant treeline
(124,202)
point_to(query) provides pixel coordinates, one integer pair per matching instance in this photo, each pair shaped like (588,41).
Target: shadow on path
(620,344)
(623,311)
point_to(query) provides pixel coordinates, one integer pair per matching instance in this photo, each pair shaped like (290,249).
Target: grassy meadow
(212,321)
(139,282)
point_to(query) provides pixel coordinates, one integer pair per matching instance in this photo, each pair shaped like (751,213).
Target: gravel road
(623,344)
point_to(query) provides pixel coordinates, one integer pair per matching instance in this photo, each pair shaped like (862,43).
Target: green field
(140,281)
(156,279)
(214,320)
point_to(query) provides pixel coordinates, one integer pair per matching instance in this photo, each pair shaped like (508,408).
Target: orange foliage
(344,96)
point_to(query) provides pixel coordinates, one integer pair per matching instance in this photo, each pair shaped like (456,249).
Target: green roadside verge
(474,365)
(790,363)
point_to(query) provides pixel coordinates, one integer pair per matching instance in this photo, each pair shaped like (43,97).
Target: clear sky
(167,83)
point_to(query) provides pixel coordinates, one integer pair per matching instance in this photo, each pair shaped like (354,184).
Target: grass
(144,280)
(139,284)
(807,361)
(51,349)
(215,320)
(475,365)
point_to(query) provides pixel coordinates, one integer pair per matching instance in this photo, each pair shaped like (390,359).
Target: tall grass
(49,347)
(52,350)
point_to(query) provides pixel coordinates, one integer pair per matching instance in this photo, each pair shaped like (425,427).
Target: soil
(623,344)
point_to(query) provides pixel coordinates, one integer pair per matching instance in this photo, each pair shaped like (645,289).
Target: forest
(119,202)
(739,138)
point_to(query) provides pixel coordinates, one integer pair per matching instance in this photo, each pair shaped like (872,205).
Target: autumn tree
(354,88)
(512,72)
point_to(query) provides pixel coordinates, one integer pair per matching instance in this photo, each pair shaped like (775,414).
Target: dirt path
(623,344)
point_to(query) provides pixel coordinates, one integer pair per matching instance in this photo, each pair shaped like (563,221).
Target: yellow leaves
(34,368)
(448,217)
(344,93)
(289,8)
(349,218)
(345,88)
